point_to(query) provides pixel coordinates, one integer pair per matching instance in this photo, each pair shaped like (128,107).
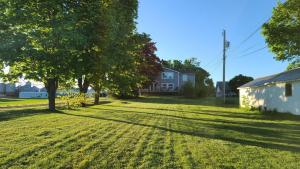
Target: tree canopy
(55,41)
(238,81)
(282,32)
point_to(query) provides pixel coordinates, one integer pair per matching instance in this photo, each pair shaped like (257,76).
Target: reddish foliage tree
(150,64)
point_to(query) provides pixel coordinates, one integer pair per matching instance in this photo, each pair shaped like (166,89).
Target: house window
(164,86)
(288,89)
(167,75)
(167,86)
(184,78)
(170,86)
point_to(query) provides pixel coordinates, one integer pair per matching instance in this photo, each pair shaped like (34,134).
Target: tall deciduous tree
(39,39)
(149,63)
(122,52)
(282,31)
(94,23)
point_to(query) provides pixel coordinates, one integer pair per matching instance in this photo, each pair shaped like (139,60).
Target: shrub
(188,90)
(73,100)
(246,102)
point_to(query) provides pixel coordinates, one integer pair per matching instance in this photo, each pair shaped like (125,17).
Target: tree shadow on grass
(211,101)
(20,113)
(254,115)
(258,136)
(218,120)
(14,112)
(269,131)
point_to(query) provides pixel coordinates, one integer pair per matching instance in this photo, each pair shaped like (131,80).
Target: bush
(246,102)
(188,90)
(73,100)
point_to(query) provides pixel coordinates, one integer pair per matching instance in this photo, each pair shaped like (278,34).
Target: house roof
(171,69)
(183,72)
(287,76)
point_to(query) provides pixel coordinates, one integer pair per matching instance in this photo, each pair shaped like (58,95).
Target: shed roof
(287,76)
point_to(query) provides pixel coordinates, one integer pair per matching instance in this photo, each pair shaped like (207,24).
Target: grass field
(7,102)
(149,133)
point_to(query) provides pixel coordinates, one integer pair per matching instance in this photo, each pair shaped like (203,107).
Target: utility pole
(225,46)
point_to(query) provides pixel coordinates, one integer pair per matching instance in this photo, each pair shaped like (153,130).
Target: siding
(272,97)
(174,80)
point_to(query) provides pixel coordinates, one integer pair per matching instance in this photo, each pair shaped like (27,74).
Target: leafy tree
(141,68)
(282,31)
(149,64)
(59,41)
(95,23)
(117,58)
(293,65)
(37,41)
(238,81)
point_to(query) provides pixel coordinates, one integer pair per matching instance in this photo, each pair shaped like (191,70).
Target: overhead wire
(250,53)
(250,36)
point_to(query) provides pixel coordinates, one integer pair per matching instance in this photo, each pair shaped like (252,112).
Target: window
(170,86)
(184,78)
(164,86)
(167,86)
(167,75)
(288,89)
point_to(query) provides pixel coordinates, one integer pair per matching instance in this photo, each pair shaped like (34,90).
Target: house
(279,92)
(170,80)
(228,91)
(8,89)
(28,87)
(25,91)
(31,91)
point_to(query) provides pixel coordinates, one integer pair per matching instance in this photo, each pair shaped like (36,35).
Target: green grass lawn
(7,102)
(149,133)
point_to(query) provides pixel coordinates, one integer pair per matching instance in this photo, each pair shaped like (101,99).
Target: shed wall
(272,97)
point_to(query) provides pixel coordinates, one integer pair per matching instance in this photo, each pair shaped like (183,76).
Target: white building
(279,92)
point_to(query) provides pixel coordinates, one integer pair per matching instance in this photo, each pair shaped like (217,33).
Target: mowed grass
(8,102)
(153,132)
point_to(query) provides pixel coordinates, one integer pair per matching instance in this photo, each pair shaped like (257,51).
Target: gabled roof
(182,72)
(287,76)
(171,69)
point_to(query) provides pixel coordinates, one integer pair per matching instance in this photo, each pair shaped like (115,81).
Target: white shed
(279,92)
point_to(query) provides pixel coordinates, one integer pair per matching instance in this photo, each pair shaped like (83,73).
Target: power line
(212,61)
(250,36)
(217,65)
(250,53)
(247,49)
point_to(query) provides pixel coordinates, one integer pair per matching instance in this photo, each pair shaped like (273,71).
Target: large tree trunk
(51,86)
(97,88)
(97,95)
(83,85)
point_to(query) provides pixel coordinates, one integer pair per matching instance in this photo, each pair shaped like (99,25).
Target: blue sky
(193,28)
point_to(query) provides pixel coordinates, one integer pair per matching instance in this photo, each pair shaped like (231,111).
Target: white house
(279,92)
